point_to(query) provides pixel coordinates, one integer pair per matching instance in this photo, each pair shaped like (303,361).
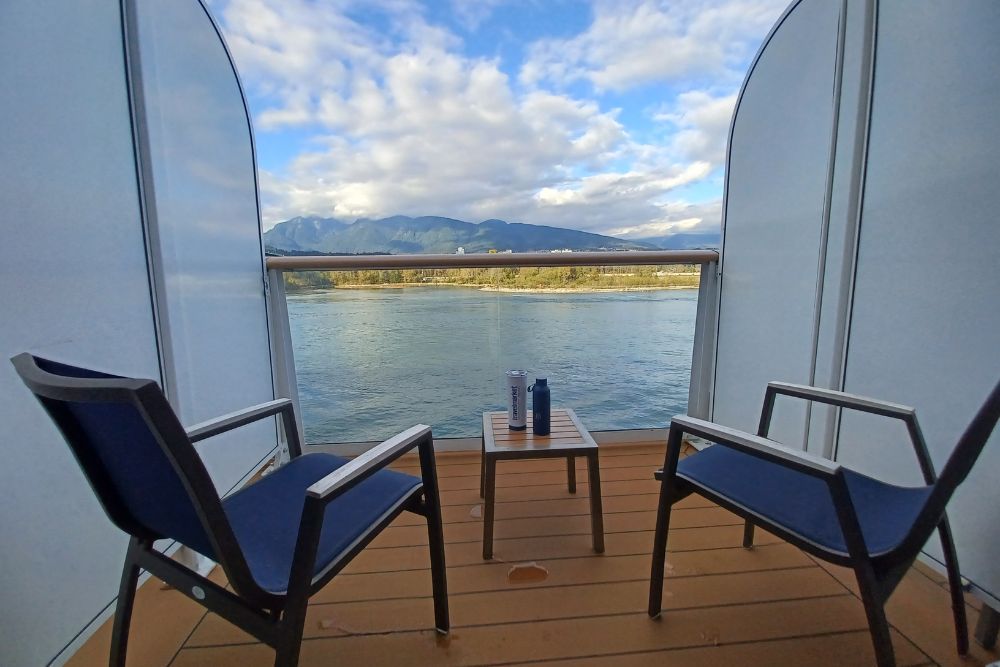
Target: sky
(609,116)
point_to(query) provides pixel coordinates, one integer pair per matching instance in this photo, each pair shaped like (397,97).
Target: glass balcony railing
(377,348)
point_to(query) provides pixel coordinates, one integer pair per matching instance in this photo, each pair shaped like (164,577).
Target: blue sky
(605,115)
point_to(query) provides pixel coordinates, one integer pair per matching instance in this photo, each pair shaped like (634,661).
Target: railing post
(703,356)
(282,357)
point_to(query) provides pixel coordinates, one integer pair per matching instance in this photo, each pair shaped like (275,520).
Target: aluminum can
(517,392)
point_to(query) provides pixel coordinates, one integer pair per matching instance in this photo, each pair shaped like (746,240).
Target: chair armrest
(756,446)
(841,399)
(228,422)
(325,490)
(353,472)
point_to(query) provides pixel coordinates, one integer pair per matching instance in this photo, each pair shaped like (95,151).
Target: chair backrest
(956,469)
(133,450)
(968,449)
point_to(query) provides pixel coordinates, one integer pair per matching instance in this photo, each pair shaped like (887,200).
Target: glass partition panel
(205,228)
(378,351)
(777,175)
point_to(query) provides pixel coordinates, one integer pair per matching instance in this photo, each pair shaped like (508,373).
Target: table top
(567,433)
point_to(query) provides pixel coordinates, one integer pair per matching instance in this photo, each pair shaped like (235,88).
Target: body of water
(372,362)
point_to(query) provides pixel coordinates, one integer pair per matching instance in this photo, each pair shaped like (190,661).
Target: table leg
(488,503)
(482,467)
(596,511)
(571,473)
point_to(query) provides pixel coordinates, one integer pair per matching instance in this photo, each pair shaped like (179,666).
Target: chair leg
(439,580)
(435,534)
(747,534)
(955,586)
(659,550)
(290,644)
(123,610)
(878,626)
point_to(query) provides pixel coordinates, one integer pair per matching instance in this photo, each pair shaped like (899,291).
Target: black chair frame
(877,574)
(276,620)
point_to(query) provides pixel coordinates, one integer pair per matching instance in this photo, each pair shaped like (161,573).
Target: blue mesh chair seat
(278,541)
(836,514)
(802,504)
(265,515)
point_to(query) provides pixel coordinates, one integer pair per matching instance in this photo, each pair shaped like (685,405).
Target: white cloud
(400,121)
(701,121)
(471,13)
(449,137)
(634,42)
(607,188)
(676,217)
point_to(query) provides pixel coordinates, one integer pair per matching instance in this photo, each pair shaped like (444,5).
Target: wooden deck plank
(535,478)
(921,610)
(517,604)
(565,505)
(842,648)
(564,638)
(489,576)
(647,462)
(942,581)
(552,524)
(653,449)
(529,494)
(560,546)
(161,623)
(469,464)
(724,605)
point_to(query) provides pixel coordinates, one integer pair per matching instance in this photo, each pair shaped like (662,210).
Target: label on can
(517,388)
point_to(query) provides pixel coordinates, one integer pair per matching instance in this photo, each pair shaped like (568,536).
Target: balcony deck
(723,605)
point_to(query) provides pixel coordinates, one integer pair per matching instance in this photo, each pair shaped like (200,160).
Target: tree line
(560,277)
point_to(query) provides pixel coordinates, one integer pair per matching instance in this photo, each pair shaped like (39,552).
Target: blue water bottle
(540,406)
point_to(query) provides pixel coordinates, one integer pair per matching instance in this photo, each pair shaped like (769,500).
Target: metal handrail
(488,260)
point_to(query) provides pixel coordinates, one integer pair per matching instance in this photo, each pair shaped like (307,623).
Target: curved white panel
(206,230)
(925,326)
(776,184)
(74,287)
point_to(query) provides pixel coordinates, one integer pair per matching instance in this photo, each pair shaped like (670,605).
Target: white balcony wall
(74,287)
(136,253)
(892,287)
(925,324)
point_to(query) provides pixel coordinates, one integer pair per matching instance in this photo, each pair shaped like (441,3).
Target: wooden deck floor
(724,605)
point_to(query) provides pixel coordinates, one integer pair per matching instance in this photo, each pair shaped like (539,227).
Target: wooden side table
(567,439)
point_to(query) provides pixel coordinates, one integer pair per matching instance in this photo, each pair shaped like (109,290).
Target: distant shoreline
(565,290)
(494,288)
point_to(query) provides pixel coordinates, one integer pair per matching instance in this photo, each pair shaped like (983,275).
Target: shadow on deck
(723,605)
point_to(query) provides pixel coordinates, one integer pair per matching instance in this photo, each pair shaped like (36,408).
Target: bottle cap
(541,381)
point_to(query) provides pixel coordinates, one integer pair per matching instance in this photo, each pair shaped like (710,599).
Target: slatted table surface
(566,433)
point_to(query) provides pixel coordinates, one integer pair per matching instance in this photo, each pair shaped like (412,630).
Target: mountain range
(401,234)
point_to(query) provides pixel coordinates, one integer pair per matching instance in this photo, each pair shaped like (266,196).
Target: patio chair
(829,511)
(278,540)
